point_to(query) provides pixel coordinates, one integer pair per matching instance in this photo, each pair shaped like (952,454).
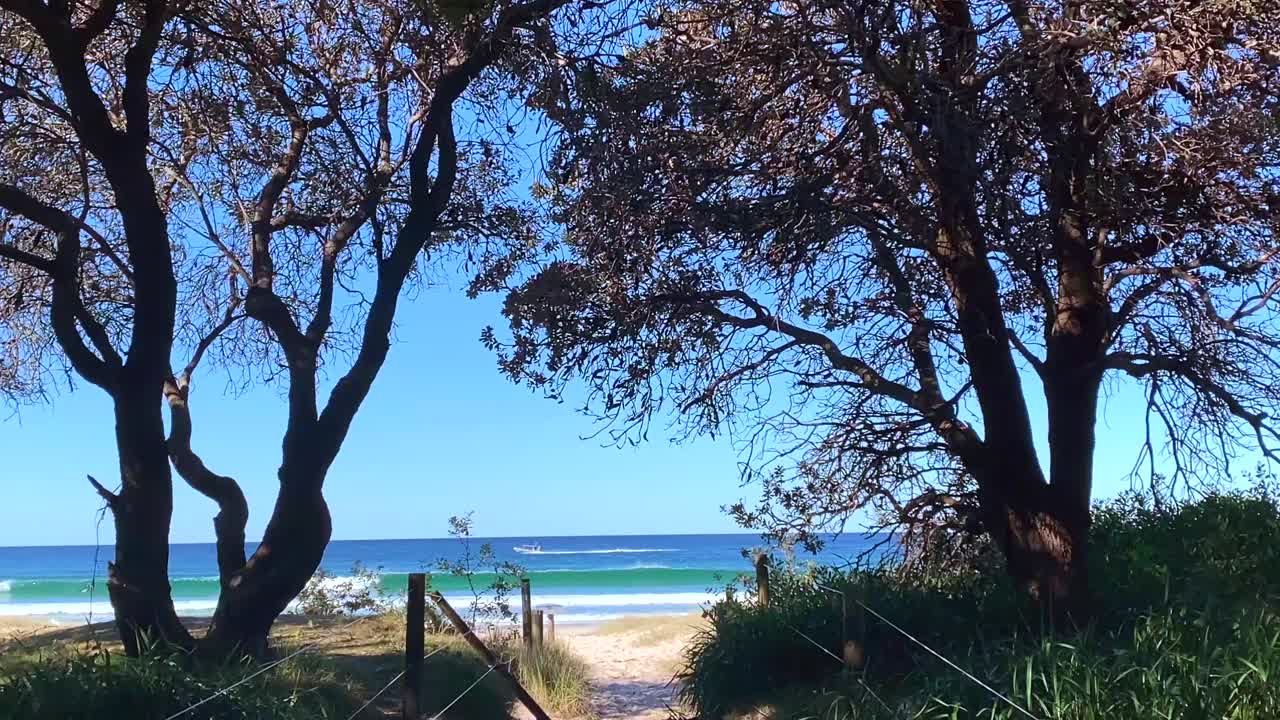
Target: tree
(852,231)
(309,155)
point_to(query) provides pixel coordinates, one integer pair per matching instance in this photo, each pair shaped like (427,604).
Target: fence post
(526,612)
(414,642)
(538,628)
(474,640)
(551,627)
(762,579)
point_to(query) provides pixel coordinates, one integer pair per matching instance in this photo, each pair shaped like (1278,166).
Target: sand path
(631,671)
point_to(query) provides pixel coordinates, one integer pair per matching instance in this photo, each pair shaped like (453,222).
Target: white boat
(528,548)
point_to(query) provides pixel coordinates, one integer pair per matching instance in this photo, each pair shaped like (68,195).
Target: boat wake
(524,550)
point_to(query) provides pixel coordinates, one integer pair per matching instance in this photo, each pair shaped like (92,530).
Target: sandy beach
(632,660)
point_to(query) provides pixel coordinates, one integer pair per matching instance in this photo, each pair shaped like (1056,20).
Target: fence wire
(313,644)
(470,687)
(369,702)
(840,660)
(931,651)
(269,666)
(393,680)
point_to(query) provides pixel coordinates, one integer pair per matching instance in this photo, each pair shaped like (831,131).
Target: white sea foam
(626,599)
(101,607)
(610,551)
(575,607)
(6,586)
(584,618)
(343,582)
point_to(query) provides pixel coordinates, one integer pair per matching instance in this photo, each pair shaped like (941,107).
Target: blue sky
(441,433)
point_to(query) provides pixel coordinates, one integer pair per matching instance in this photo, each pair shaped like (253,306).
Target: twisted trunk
(289,554)
(233,510)
(255,591)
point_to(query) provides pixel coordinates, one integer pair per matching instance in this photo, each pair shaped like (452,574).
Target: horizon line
(863,531)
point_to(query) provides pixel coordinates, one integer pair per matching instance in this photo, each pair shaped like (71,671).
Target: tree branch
(233,509)
(104,493)
(67,308)
(428,200)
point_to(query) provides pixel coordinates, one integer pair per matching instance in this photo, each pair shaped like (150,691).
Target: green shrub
(1220,550)
(359,593)
(101,686)
(1179,663)
(1185,618)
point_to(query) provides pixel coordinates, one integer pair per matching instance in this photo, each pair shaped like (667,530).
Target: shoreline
(570,608)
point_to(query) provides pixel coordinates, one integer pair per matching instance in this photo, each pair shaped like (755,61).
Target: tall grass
(555,677)
(1187,625)
(58,682)
(97,685)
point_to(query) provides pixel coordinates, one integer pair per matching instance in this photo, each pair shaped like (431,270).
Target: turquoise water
(583,579)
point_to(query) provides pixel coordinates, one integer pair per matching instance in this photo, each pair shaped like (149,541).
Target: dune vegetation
(68,675)
(1186,625)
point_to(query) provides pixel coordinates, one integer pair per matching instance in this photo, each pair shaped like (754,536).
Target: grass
(554,675)
(449,673)
(72,684)
(1187,625)
(653,630)
(66,675)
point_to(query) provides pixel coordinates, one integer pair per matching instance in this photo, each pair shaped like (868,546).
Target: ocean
(581,579)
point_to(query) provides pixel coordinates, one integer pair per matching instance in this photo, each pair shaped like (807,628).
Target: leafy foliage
(359,593)
(1187,626)
(491,602)
(1223,549)
(872,238)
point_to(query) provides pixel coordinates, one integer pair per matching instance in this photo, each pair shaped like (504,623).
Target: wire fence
(260,671)
(973,678)
(470,687)
(401,674)
(372,699)
(840,660)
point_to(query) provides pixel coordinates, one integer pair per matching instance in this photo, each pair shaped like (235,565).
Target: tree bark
(1043,534)
(138,579)
(233,510)
(289,554)
(1040,524)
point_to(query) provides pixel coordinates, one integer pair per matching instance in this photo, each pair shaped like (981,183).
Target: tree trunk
(138,579)
(1044,537)
(233,509)
(289,554)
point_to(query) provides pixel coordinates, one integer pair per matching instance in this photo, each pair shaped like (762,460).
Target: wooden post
(551,627)
(840,607)
(538,628)
(526,612)
(461,626)
(762,579)
(414,646)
